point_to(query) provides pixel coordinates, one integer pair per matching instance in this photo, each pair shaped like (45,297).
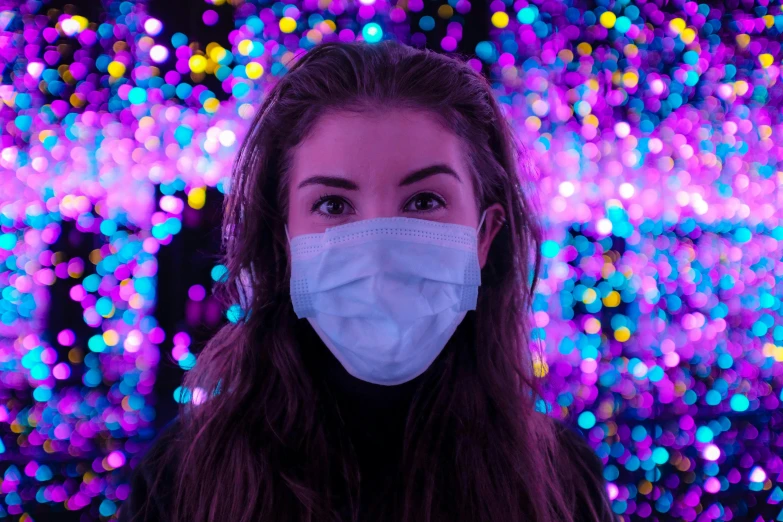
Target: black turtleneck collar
(360,402)
(372,416)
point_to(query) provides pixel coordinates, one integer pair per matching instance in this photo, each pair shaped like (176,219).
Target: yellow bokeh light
(740,87)
(245,47)
(622,334)
(211,105)
(212,66)
(217,53)
(111,337)
(533,123)
(584,49)
(540,368)
(197,197)
(630,79)
(500,20)
(768,350)
(766,60)
(82,21)
(116,69)
(743,40)
(197,63)
(612,299)
(254,70)
(589,296)
(566,55)
(688,35)
(608,19)
(287,24)
(45,134)
(591,119)
(677,25)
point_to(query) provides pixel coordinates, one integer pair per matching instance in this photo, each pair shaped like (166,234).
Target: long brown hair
(266,444)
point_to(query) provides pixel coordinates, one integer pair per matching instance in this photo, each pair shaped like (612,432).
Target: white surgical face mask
(385,295)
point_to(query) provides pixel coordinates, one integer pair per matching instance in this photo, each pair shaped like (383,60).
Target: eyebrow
(426,172)
(330,181)
(413,177)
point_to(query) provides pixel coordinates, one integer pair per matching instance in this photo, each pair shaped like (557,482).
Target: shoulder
(152,478)
(582,472)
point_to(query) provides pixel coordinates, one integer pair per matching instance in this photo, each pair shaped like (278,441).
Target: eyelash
(326,197)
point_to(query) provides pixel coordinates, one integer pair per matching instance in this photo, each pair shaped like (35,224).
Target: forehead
(386,143)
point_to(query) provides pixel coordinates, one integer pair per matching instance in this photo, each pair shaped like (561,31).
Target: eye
(424,202)
(331,206)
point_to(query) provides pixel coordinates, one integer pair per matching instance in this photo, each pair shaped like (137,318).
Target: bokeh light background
(657,131)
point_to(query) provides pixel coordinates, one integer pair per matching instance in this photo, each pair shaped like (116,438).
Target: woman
(377,196)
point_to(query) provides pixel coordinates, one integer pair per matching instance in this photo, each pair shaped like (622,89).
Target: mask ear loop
(483,217)
(481,221)
(286,233)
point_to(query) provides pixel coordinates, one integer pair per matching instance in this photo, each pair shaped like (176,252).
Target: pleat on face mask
(385,295)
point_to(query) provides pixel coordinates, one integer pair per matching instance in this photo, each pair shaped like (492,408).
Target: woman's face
(393,163)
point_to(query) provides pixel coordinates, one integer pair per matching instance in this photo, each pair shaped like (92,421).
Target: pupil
(423,203)
(333,207)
